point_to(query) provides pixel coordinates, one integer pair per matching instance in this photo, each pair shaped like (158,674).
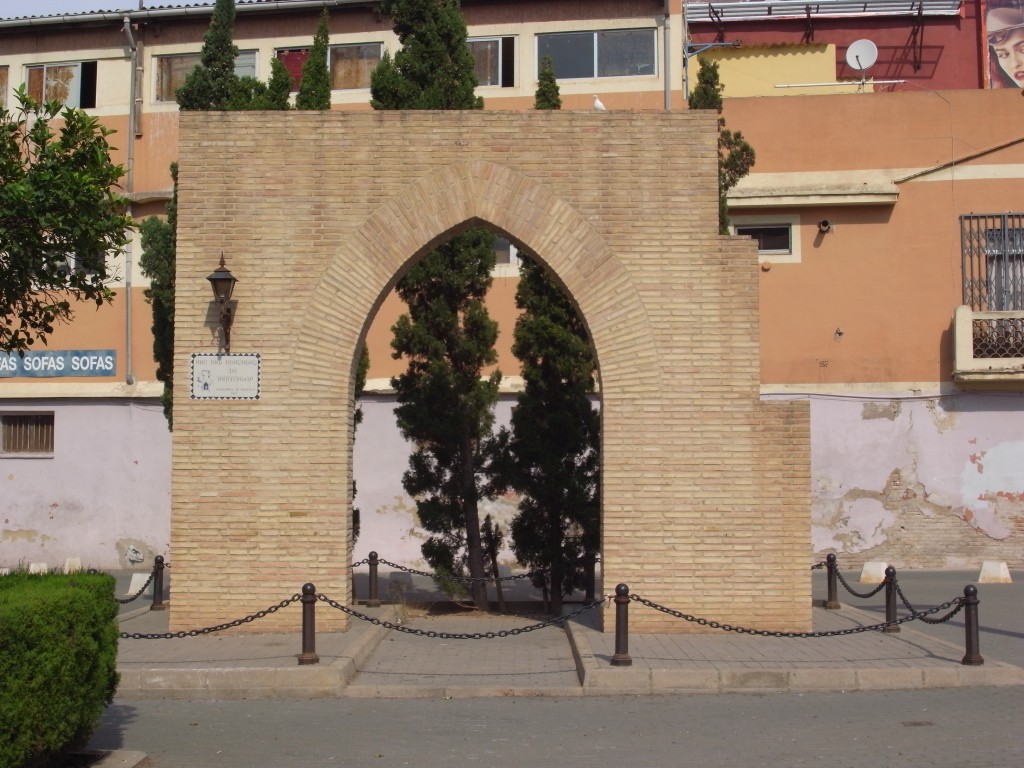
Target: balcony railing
(988,346)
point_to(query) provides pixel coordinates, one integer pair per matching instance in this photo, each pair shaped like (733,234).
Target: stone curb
(291,682)
(600,678)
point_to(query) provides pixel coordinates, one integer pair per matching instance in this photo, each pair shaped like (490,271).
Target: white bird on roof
(598,104)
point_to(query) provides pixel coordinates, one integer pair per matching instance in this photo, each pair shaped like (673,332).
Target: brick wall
(705,488)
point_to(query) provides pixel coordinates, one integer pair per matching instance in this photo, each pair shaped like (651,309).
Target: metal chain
(458,635)
(768,633)
(850,589)
(462,579)
(940,619)
(818,566)
(138,594)
(210,630)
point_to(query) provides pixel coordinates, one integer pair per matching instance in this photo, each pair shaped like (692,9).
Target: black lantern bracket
(223,284)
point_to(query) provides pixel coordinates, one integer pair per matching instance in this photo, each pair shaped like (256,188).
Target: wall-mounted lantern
(223,283)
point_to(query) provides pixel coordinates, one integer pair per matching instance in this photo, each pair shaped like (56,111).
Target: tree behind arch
(445,407)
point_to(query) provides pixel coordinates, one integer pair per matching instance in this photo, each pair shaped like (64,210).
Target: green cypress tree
(547,95)
(735,156)
(157,262)
(551,454)
(279,88)
(434,68)
(444,406)
(213,84)
(315,85)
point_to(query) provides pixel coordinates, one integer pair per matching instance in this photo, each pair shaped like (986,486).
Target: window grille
(27,433)
(992,249)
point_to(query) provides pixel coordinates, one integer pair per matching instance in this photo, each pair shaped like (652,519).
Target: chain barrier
(940,619)
(137,595)
(461,579)
(457,635)
(864,595)
(768,633)
(818,566)
(210,630)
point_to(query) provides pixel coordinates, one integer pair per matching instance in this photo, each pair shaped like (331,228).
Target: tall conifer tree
(315,85)
(157,262)
(735,156)
(213,84)
(551,455)
(445,407)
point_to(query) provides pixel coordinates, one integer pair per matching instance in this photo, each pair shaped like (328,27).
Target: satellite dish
(861,55)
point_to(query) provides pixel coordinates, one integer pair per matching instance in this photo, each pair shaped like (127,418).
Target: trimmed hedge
(58,662)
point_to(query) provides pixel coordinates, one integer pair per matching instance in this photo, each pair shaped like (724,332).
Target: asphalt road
(978,727)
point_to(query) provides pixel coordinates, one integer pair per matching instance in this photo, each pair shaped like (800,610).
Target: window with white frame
(777,236)
(73,84)
(173,69)
(607,53)
(4,84)
(26,434)
(494,60)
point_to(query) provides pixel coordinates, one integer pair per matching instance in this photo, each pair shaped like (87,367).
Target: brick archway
(319,214)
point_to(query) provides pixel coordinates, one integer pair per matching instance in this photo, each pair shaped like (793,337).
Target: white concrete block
(994,572)
(873,572)
(4,571)
(138,579)
(38,568)
(72,565)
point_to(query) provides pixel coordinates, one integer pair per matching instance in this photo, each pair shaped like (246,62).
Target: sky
(14,8)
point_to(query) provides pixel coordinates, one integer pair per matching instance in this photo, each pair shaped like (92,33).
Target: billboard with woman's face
(1004,26)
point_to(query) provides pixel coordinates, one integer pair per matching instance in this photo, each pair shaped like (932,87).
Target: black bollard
(832,603)
(158,584)
(621,658)
(373,601)
(890,600)
(972,658)
(308,655)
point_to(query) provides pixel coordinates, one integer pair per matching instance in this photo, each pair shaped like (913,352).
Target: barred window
(27,433)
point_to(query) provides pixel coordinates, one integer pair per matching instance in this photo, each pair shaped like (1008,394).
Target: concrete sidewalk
(371,661)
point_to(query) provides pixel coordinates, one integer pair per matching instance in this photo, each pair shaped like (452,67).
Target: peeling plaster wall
(926,482)
(103,497)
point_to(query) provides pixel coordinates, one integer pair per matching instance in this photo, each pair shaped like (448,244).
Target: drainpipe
(667,57)
(130,188)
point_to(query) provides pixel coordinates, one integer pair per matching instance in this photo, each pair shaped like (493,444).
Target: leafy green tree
(735,156)
(157,262)
(315,85)
(551,454)
(445,407)
(213,85)
(59,217)
(434,68)
(547,95)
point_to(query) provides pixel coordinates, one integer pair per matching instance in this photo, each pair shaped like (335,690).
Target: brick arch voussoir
(454,198)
